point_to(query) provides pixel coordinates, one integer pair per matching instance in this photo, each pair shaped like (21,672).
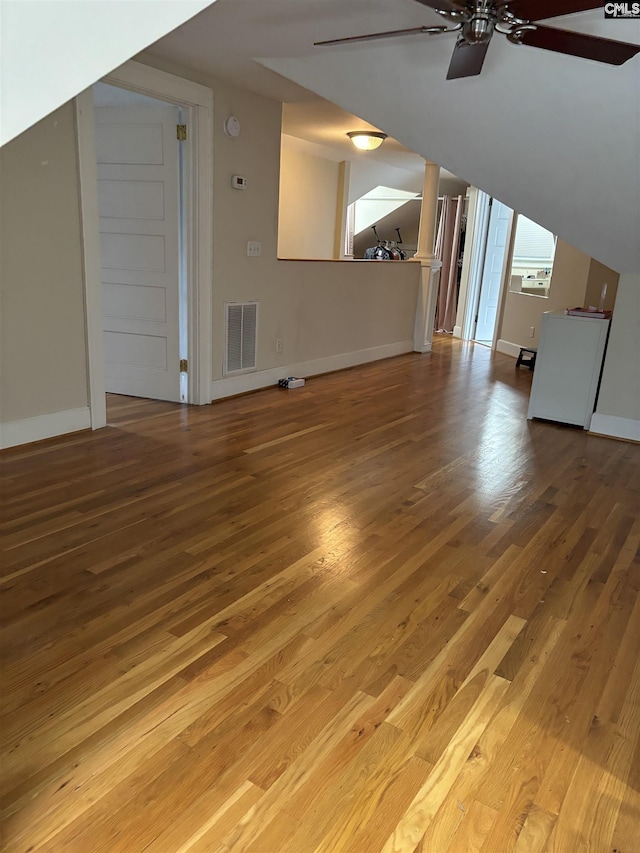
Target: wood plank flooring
(383,613)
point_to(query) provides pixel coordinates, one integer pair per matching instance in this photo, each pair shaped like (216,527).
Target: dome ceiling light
(367,140)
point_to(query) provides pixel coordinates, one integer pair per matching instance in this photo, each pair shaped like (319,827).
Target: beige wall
(333,308)
(599,275)
(620,389)
(308,203)
(318,309)
(520,311)
(43,333)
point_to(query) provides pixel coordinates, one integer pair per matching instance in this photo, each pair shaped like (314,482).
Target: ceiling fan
(475,21)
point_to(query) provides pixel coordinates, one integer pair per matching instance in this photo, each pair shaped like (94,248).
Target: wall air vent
(241,323)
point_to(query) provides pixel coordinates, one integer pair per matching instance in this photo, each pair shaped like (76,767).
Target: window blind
(533,243)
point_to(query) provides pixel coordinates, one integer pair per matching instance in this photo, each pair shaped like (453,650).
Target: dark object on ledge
(530,360)
(385,250)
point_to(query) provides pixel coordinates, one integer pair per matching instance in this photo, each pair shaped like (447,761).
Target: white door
(493,268)
(138,191)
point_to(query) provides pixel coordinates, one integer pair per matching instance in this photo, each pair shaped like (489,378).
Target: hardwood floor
(380,613)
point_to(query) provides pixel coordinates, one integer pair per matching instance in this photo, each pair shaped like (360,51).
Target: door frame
(197,101)
(506,277)
(476,272)
(503,274)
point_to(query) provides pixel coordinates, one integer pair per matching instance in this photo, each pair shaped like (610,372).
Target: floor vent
(241,320)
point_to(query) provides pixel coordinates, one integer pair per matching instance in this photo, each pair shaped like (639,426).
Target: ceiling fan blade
(445,5)
(430,31)
(538,10)
(467,59)
(578,44)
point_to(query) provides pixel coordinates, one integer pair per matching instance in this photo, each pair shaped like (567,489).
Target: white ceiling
(51,51)
(555,137)
(322,123)
(223,40)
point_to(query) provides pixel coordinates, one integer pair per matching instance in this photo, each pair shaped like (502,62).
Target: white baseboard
(231,385)
(44,426)
(616,427)
(457,331)
(507,348)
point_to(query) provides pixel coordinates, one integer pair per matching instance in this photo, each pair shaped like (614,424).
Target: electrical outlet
(254,248)
(532,331)
(278,344)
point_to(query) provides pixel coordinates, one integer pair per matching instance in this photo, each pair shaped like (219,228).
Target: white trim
(615,426)
(457,331)
(44,426)
(159,84)
(508,348)
(197,101)
(90,243)
(506,267)
(229,386)
(423,327)
(200,261)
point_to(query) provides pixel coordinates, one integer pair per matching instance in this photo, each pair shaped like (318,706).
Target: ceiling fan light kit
(475,21)
(367,140)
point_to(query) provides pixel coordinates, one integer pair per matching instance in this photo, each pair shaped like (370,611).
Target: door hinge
(181,131)
(184,365)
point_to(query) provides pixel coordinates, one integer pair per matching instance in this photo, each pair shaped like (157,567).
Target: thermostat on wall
(239,182)
(232,127)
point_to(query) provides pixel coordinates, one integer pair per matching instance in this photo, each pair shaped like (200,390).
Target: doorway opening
(141,168)
(137,248)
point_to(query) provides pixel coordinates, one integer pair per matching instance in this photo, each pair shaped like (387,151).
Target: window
(532,258)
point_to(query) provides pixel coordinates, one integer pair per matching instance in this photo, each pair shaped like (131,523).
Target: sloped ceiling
(51,51)
(555,137)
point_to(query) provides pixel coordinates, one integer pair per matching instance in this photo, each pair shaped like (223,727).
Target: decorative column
(429,264)
(339,239)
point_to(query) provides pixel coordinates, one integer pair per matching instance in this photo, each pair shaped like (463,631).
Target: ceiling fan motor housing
(479,28)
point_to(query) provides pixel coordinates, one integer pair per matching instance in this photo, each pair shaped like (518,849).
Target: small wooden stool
(530,359)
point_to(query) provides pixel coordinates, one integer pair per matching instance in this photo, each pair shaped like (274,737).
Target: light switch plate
(254,248)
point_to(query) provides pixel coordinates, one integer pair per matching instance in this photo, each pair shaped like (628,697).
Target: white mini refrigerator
(568,367)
